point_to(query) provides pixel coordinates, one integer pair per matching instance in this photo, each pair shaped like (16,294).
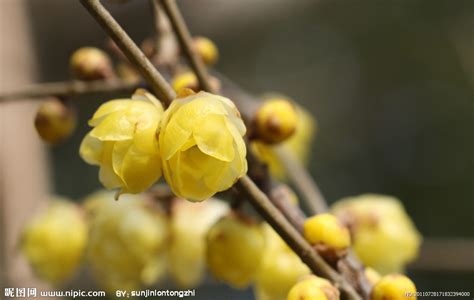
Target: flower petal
(108,108)
(213,138)
(91,150)
(114,127)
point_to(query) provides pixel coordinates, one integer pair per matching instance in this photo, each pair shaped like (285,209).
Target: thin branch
(292,237)
(185,41)
(67,88)
(131,50)
(302,181)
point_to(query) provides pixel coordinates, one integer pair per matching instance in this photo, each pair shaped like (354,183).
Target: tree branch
(67,88)
(185,41)
(157,83)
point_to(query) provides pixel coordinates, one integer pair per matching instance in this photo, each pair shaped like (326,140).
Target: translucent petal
(91,150)
(106,174)
(140,171)
(172,138)
(114,127)
(108,108)
(118,154)
(213,138)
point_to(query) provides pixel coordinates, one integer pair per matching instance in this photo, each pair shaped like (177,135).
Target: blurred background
(391,84)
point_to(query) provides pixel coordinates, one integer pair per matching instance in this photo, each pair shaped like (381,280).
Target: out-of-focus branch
(185,41)
(157,83)
(67,88)
(302,181)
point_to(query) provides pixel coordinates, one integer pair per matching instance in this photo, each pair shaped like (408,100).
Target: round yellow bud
(124,142)
(89,63)
(201,145)
(54,241)
(383,235)
(299,144)
(206,49)
(325,229)
(276,120)
(234,250)
(55,121)
(394,287)
(313,288)
(127,241)
(188,80)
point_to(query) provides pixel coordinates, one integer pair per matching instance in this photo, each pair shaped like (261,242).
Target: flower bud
(383,235)
(299,144)
(189,80)
(206,49)
(54,241)
(312,287)
(276,120)
(394,287)
(201,145)
(89,63)
(123,142)
(329,236)
(234,250)
(55,121)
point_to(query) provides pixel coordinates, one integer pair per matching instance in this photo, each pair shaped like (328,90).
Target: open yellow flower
(201,145)
(123,142)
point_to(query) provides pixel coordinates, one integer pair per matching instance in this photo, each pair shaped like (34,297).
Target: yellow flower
(383,235)
(279,269)
(124,144)
(201,146)
(299,144)
(189,224)
(54,241)
(126,247)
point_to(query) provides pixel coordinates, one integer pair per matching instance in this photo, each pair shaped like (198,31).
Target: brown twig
(185,41)
(157,83)
(302,181)
(67,88)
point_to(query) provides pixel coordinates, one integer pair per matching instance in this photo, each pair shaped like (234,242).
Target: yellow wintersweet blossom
(383,235)
(54,241)
(123,142)
(299,143)
(201,145)
(127,240)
